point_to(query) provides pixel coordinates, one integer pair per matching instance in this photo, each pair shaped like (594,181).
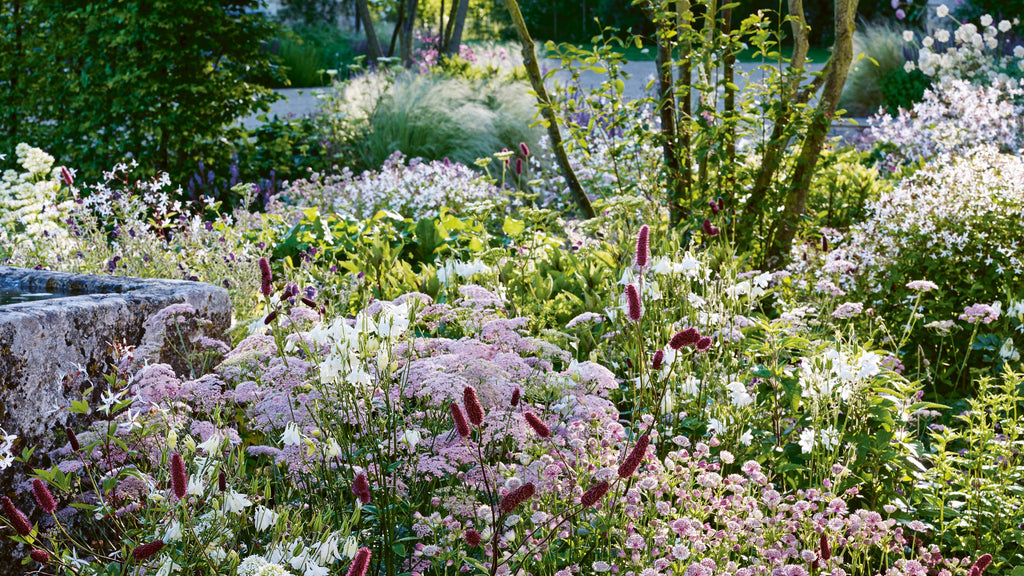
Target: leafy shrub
(313,56)
(162,82)
(427,116)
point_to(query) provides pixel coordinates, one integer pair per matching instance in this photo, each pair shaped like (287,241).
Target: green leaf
(513,227)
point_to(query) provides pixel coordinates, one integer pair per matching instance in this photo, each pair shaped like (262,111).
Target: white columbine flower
(212,443)
(264,518)
(1008,352)
(747,437)
(292,435)
(236,502)
(410,438)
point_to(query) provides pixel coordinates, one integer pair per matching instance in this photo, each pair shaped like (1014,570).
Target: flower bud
(538,426)
(635,456)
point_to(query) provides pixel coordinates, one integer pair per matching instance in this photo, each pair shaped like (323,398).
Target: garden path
(303,101)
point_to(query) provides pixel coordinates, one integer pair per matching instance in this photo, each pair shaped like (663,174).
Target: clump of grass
(880,53)
(430,116)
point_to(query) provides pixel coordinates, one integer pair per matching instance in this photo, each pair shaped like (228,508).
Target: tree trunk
(686,103)
(547,111)
(458,24)
(796,199)
(408,26)
(373,45)
(667,110)
(399,22)
(779,140)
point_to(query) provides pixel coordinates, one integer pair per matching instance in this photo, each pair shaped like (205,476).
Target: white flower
(807,440)
(908,36)
(410,438)
(986,20)
(829,438)
(601,566)
(942,11)
(333,449)
(927,42)
(195,485)
(235,502)
(1004,26)
(212,443)
(350,548)
(942,35)
(716,426)
(740,397)
(747,437)
(909,67)
(167,567)
(1008,352)
(173,532)
(264,518)
(292,435)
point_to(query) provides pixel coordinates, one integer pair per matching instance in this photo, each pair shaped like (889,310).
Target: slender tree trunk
(458,24)
(729,75)
(408,27)
(398,28)
(686,103)
(547,111)
(796,199)
(779,140)
(373,45)
(667,111)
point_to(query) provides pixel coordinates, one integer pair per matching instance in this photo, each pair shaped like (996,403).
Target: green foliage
(901,89)
(969,484)
(845,181)
(283,150)
(572,21)
(162,82)
(310,54)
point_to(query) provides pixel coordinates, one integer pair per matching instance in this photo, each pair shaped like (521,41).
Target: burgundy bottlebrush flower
(524,149)
(40,556)
(308,302)
(361,488)
(16,517)
(826,551)
(179,483)
(635,456)
(43,496)
(270,317)
(519,166)
(513,499)
(714,207)
(824,244)
(72,439)
(594,494)
(721,203)
(67,176)
(659,358)
(473,408)
(643,246)
(687,337)
(974,571)
(266,279)
(149,550)
(472,537)
(222,481)
(461,426)
(982,562)
(703,344)
(709,228)
(515,397)
(633,310)
(360,563)
(538,426)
